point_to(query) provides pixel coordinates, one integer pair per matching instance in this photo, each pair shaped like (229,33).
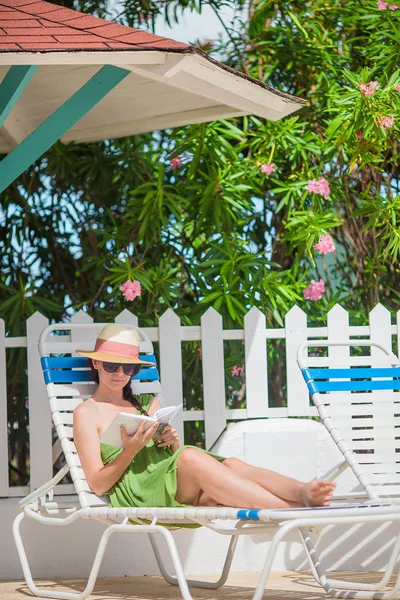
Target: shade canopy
(167,83)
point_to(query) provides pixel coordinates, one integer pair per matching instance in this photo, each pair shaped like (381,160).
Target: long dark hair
(126,390)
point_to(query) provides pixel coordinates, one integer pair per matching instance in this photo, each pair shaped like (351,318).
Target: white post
(256,364)
(213,376)
(339,356)
(380,330)
(83,335)
(40,442)
(171,365)
(298,402)
(126,318)
(338,330)
(4,482)
(384,414)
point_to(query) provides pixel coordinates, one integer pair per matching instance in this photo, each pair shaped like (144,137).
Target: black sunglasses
(112,367)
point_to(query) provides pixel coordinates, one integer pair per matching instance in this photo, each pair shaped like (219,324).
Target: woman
(157,471)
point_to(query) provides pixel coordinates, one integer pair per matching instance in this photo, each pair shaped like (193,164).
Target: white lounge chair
(69,383)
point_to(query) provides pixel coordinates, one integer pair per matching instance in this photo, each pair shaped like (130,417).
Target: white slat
(81,389)
(354,361)
(213,376)
(58,404)
(77,473)
(149,387)
(62,418)
(4,482)
(171,365)
(40,442)
(65,431)
(256,364)
(298,401)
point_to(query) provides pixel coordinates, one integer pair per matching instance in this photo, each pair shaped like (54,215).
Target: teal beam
(59,123)
(12,86)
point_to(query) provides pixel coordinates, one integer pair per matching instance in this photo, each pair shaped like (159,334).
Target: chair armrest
(333,473)
(45,488)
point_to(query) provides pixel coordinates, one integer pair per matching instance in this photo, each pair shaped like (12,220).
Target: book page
(166,413)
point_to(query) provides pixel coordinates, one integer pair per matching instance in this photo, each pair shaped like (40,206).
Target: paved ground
(240,586)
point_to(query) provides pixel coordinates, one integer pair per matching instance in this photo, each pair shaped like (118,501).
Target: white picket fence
(170,335)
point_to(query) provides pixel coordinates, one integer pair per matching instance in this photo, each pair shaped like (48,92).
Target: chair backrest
(69,382)
(360,407)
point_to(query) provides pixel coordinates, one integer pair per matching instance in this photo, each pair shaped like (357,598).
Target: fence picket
(4,481)
(171,365)
(86,336)
(256,364)
(40,442)
(298,402)
(380,330)
(213,376)
(126,318)
(338,330)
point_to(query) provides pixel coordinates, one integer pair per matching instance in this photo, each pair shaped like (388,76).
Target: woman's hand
(168,437)
(134,443)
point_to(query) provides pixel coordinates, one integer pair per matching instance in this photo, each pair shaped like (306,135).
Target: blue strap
(352,386)
(248,515)
(357,373)
(68,369)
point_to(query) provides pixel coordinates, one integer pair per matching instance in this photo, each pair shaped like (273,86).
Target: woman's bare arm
(101,478)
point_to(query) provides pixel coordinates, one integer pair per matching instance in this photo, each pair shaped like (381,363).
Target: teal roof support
(59,123)
(12,86)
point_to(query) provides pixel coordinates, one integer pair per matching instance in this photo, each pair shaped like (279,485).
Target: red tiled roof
(37,25)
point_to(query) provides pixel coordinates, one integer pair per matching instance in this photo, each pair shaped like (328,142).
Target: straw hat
(116,344)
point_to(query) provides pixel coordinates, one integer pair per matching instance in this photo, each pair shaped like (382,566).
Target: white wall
(295,447)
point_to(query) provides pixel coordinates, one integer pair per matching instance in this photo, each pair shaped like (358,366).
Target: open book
(131,422)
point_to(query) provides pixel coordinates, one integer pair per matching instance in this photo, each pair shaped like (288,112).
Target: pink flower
(200,353)
(267,168)
(359,134)
(367,89)
(320,187)
(398,89)
(131,289)
(381,5)
(314,291)
(238,371)
(393,6)
(175,162)
(386,122)
(325,245)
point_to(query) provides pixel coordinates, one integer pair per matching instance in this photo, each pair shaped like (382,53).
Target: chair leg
(349,585)
(201,584)
(54,594)
(121,528)
(266,570)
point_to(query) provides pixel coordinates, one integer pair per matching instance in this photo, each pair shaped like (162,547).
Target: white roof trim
(65,57)
(195,74)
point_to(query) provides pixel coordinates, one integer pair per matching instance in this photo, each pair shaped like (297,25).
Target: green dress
(151,478)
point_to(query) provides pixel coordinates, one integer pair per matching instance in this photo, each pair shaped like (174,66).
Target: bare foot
(317,493)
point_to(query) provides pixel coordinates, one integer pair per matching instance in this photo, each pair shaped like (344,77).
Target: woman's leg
(199,472)
(313,493)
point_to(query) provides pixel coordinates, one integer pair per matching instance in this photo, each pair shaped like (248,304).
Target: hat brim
(103,356)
